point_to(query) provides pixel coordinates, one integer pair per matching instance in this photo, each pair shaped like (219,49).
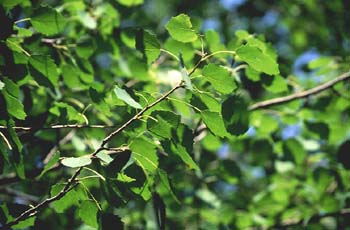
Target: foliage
(119,121)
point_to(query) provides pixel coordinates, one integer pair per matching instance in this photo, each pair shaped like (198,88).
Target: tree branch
(26,128)
(72,181)
(306,93)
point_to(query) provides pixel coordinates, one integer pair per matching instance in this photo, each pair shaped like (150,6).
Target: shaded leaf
(45,66)
(53,160)
(88,213)
(166,184)
(235,113)
(161,123)
(108,221)
(144,153)
(48,21)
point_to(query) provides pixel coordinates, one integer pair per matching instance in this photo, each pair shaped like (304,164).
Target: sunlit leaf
(180,29)
(220,78)
(257,59)
(124,96)
(74,162)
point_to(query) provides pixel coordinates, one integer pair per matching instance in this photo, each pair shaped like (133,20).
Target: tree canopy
(151,114)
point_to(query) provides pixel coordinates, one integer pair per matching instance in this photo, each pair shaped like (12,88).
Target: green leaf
(257,59)
(103,156)
(252,74)
(46,66)
(276,84)
(213,40)
(235,113)
(220,78)
(14,106)
(294,151)
(214,122)
(162,123)
(180,29)
(88,213)
(74,162)
(205,101)
(124,96)
(69,199)
(118,163)
(48,21)
(108,221)
(144,152)
(70,75)
(165,183)
(176,47)
(17,150)
(130,3)
(181,151)
(25,223)
(53,160)
(148,44)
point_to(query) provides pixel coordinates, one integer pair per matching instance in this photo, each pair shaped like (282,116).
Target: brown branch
(72,181)
(26,128)
(306,93)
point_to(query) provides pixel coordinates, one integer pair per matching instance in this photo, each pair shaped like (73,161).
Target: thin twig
(72,181)
(26,128)
(306,93)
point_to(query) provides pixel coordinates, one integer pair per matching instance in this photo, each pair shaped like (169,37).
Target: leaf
(276,84)
(257,59)
(166,184)
(220,78)
(75,162)
(53,160)
(46,66)
(176,47)
(69,199)
(184,75)
(144,153)
(214,122)
(148,44)
(162,123)
(185,157)
(124,96)
(130,3)
(119,161)
(108,221)
(180,29)
(235,113)
(88,213)
(48,21)
(103,156)
(14,106)
(294,151)
(205,101)
(17,150)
